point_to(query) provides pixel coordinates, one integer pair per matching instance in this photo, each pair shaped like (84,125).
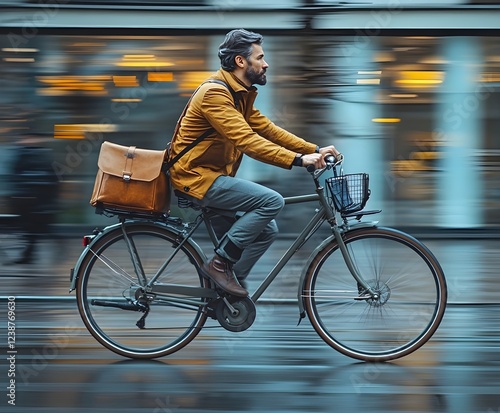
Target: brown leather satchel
(137,180)
(131,179)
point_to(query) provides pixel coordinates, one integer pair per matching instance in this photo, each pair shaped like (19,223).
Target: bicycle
(360,301)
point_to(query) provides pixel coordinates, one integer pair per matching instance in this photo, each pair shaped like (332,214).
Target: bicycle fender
(354,227)
(72,275)
(114,227)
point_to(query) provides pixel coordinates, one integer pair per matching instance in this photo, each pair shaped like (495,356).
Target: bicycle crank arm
(123,306)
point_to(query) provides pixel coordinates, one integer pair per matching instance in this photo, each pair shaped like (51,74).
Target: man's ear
(240,61)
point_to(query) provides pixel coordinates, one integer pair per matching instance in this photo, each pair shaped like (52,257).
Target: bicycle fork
(350,265)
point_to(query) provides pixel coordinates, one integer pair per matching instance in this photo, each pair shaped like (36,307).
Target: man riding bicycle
(206,174)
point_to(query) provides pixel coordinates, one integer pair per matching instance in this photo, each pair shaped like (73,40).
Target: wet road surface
(275,366)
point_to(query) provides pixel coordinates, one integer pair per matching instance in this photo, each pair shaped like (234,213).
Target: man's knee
(272,231)
(276,202)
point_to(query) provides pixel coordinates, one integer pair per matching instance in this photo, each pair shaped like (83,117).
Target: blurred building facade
(408,91)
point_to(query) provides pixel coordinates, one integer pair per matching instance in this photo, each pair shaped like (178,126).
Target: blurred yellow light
(191,62)
(59,86)
(145,63)
(82,86)
(434,60)
(490,77)
(85,127)
(55,91)
(426,155)
(19,50)
(404,166)
(126,100)
(68,127)
(419,81)
(383,57)
(52,92)
(69,132)
(403,95)
(420,78)
(78,130)
(73,79)
(420,37)
(125,81)
(88,44)
(386,120)
(19,59)
(160,76)
(142,60)
(191,80)
(139,57)
(68,135)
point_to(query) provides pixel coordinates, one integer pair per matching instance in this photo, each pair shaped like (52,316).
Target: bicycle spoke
(115,268)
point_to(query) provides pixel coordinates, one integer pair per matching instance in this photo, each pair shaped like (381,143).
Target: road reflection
(274,366)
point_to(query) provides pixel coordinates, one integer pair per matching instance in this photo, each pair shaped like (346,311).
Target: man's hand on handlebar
(329,150)
(318,159)
(313,159)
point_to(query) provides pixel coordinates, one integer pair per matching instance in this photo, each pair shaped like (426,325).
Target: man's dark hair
(237,42)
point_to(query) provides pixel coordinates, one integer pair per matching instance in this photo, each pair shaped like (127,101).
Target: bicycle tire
(106,274)
(409,279)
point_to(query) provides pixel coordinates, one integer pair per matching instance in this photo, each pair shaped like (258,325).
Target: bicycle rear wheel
(108,285)
(408,279)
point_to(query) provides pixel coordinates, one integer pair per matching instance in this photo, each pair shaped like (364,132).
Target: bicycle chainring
(238,320)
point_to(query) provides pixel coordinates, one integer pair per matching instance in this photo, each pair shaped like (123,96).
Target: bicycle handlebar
(331,162)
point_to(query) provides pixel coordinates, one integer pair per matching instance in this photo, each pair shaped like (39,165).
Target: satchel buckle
(126,177)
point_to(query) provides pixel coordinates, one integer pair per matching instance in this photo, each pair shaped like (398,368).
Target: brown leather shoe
(221,273)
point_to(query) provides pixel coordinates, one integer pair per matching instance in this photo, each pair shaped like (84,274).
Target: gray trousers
(254,229)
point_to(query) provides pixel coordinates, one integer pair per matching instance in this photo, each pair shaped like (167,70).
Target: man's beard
(256,78)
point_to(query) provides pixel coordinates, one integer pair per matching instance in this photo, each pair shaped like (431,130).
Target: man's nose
(264,64)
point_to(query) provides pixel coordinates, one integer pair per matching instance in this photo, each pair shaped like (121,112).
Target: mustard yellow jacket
(237,131)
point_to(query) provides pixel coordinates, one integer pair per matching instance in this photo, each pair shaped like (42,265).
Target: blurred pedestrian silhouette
(33,195)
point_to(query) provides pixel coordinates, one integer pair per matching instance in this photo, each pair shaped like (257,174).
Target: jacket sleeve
(218,108)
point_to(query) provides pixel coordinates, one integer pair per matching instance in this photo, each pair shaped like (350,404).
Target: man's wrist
(297,161)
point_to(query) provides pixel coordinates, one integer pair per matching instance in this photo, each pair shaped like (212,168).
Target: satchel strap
(169,164)
(231,90)
(127,171)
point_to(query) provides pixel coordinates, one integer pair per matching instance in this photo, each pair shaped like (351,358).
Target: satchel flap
(129,162)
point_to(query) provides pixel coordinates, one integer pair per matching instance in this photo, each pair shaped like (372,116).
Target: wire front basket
(349,193)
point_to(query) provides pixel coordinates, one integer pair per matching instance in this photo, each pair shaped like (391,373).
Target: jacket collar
(233,81)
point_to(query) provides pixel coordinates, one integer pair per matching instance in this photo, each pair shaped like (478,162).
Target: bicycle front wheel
(109,285)
(405,313)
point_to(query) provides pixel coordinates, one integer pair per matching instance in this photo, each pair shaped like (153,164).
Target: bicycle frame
(323,213)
